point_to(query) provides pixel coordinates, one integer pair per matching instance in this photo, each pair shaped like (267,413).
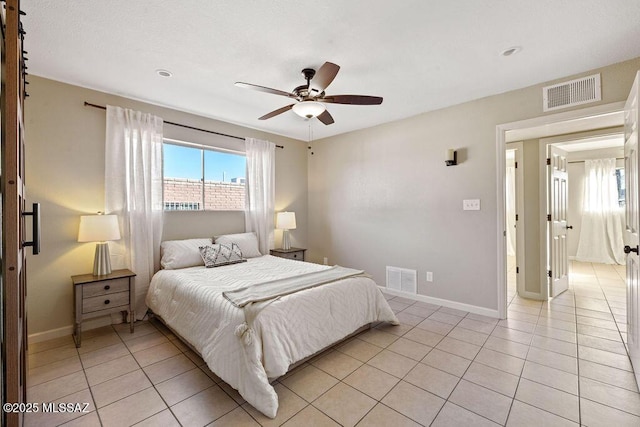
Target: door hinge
(548,217)
(549,273)
(516,165)
(548,161)
(517,270)
(516,217)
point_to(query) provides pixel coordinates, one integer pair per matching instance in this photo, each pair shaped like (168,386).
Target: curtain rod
(88,104)
(582,161)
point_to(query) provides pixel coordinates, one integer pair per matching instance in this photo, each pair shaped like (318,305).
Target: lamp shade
(309,109)
(98,228)
(286,220)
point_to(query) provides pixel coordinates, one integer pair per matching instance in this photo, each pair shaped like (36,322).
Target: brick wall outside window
(219,196)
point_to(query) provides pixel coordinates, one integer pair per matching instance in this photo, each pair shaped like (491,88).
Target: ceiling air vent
(571,93)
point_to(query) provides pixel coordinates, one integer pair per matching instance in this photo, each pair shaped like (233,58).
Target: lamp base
(102,261)
(286,241)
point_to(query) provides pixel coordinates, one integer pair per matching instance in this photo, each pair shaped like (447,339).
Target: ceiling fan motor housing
(308,73)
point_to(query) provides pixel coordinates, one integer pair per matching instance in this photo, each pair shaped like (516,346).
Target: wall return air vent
(571,93)
(402,279)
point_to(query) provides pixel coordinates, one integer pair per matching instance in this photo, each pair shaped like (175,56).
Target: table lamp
(286,221)
(99,228)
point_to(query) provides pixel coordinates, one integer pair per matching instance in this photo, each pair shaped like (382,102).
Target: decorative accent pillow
(218,254)
(182,253)
(247,242)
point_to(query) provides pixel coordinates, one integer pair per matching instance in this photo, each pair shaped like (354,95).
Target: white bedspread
(291,328)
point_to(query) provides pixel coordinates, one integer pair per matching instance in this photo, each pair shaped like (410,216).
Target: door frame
(572,138)
(539,127)
(521,263)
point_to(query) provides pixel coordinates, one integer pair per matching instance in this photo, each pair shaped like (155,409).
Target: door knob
(628,249)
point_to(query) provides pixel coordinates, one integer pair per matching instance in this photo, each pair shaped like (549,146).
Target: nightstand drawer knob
(107,301)
(106,288)
(295,255)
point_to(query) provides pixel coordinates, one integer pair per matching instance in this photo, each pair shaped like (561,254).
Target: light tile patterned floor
(553,364)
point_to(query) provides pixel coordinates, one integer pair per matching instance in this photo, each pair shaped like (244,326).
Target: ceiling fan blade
(326,118)
(352,99)
(276,112)
(265,89)
(323,78)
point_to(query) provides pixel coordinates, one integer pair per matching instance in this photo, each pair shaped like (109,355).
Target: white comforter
(291,328)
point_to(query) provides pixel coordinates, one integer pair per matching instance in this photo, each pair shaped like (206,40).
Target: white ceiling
(419,55)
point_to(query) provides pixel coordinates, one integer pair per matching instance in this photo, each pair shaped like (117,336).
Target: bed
(248,349)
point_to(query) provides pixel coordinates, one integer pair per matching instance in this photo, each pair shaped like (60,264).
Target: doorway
(588,119)
(515,217)
(594,168)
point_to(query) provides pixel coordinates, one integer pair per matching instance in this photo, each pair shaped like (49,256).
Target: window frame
(620,181)
(202,148)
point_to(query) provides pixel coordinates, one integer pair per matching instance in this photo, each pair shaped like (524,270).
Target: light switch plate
(471,205)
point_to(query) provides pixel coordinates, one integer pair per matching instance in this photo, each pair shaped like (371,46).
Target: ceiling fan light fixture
(309,109)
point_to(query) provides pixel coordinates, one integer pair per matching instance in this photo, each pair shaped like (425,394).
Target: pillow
(218,254)
(181,253)
(247,242)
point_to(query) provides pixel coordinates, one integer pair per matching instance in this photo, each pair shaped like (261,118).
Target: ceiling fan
(311,97)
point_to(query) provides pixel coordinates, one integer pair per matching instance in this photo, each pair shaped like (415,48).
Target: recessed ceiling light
(164,73)
(511,51)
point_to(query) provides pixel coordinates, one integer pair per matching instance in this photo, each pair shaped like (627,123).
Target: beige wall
(376,197)
(383,196)
(534,266)
(65,173)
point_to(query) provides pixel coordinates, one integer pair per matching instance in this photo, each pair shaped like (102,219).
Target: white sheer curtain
(133,191)
(602,217)
(511,210)
(260,191)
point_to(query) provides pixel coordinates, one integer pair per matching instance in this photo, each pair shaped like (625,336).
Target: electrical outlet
(326,261)
(471,205)
(429,276)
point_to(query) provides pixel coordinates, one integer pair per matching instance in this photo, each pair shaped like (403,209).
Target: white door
(632,221)
(558,270)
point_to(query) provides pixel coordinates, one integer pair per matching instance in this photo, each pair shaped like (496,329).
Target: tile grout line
(577,349)
(446,400)
(463,374)
(196,367)
(149,379)
(525,360)
(620,333)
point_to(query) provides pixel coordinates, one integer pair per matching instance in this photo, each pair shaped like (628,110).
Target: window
(202,178)
(621,188)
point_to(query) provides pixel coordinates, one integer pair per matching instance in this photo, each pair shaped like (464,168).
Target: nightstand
(293,253)
(97,296)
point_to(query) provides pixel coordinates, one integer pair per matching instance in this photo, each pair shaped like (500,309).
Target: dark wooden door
(12,187)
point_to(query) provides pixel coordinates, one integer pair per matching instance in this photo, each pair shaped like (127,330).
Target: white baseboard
(531,295)
(68,330)
(50,334)
(443,302)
